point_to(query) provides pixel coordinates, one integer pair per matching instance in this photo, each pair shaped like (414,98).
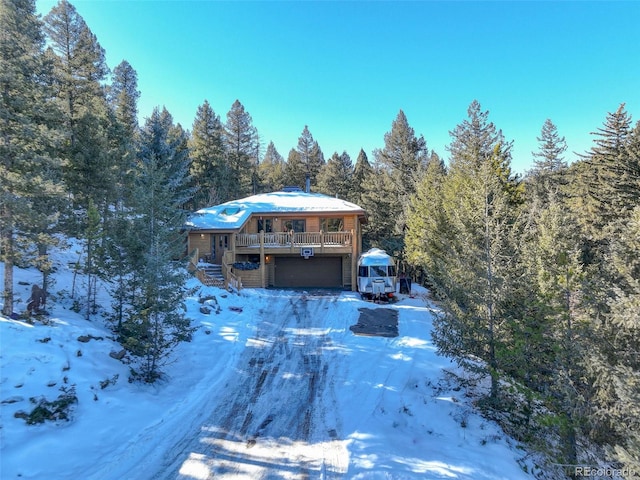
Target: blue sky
(345,69)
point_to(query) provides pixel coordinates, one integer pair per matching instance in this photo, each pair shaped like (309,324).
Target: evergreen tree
(611,174)
(311,156)
(241,144)
(92,236)
(555,333)
(616,365)
(402,159)
(603,192)
(481,200)
(117,260)
(124,96)
(271,170)
(403,156)
(361,173)
(547,176)
(379,202)
(123,99)
(294,170)
(81,62)
(209,170)
(80,71)
(29,170)
(156,323)
(335,178)
(426,243)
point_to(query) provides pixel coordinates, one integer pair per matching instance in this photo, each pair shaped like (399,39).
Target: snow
(233,214)
(375,256)
(282,389)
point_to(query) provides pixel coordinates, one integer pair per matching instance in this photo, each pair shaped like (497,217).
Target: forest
(537,276)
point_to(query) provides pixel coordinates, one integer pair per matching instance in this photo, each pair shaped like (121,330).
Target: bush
(58,409)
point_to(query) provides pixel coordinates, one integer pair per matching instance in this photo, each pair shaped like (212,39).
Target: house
(281,239)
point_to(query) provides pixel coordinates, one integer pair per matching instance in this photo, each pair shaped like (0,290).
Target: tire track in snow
(278,414)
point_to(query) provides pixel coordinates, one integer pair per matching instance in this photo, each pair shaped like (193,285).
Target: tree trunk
(493,364)
(7,244)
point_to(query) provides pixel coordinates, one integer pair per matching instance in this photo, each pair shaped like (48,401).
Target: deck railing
(289,239)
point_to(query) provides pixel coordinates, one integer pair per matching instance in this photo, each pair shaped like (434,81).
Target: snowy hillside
(275,385)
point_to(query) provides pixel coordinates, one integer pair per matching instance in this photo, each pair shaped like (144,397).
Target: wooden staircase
(211,275)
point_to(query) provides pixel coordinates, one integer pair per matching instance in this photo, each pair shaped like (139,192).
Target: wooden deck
(338,242)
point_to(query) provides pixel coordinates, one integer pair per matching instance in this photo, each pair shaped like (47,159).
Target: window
(378,271)
(266,225)
(332,224)
(295,225)
(230,211)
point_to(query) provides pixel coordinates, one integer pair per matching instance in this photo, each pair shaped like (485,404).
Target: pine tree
(156,322)
(117,253)
(271,170)
(81,62)
(29,168)
(209,170)
(294,170)
(311,156)
(403,156)
(124,96)
(616,364)
(92,235)
(611,173)
(241,145)
(123,99)
(335,178)
(361,174)
(80,70)
(378,201)
(557,335)
(547,176)
(481,200)
(426,244)
(403,159)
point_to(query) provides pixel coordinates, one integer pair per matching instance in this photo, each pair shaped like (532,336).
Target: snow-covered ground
(281,389)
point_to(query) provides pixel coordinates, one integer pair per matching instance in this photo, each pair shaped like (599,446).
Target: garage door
(313,272)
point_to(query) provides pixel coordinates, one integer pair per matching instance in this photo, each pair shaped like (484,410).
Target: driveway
(278,416)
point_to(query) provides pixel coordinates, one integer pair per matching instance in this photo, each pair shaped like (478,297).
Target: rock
(87,338)
(207,298)
(14,399)
(206,310)
(21,414)
(118,355)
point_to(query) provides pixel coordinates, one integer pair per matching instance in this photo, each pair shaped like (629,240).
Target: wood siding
(201,241)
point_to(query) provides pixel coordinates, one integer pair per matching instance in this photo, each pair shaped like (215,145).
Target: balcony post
(321,241)
(233,245)
(263,267)
(354,260)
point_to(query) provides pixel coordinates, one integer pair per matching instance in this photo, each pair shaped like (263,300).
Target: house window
(295,225)
(332,224)
(266,225)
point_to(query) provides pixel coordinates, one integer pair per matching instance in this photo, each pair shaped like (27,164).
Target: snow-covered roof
(232,215)
(375,256)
